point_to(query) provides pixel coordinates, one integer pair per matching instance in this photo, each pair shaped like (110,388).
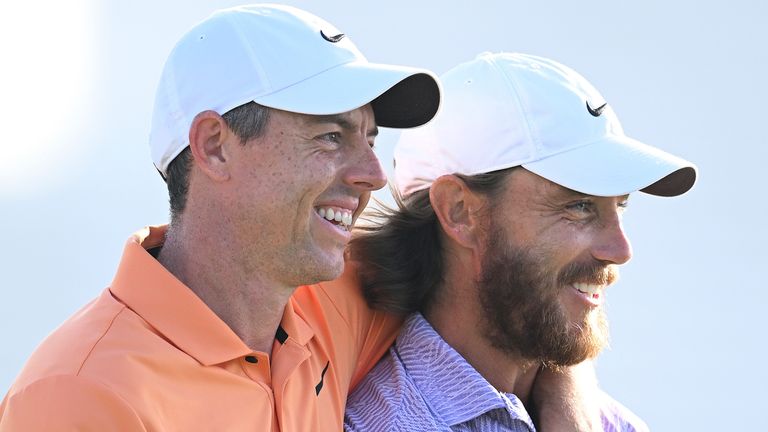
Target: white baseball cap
(505,110)
(284,58)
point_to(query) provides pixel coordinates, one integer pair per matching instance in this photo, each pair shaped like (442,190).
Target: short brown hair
(246,121)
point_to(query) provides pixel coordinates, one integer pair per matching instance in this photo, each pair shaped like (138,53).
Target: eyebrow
(342,121)
(572,194)
(566,193)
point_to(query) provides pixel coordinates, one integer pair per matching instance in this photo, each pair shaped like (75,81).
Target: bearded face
(521,291)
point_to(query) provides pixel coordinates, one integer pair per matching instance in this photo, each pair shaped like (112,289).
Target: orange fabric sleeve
(67,403)
(371,332)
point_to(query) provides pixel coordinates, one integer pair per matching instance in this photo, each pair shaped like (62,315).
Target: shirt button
(251,359)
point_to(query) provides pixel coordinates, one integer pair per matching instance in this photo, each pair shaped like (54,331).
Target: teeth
(343,217)
(588,288)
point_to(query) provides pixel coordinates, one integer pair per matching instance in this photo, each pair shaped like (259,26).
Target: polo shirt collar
(294,323)
(151,291)
(440,373)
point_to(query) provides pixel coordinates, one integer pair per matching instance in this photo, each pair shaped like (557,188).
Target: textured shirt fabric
(149,355)
(425,385)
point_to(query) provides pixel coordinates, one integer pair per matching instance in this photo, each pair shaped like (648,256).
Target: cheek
(292,172)
(285,183)
(565,242)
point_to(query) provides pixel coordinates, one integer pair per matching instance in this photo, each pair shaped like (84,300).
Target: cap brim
(401,97)
(617,166)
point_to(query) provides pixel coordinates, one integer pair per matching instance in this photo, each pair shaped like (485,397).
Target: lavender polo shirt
(423,384)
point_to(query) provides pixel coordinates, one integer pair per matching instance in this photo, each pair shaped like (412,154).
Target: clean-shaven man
(264,120)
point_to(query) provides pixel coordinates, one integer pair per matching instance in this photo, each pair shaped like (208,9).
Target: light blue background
(688,316)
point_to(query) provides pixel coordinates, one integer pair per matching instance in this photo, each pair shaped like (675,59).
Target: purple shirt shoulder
(422,384)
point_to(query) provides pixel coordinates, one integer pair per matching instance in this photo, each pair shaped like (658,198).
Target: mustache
(592,273)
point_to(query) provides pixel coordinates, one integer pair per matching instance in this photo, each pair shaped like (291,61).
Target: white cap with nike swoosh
(505,110)
(283,58)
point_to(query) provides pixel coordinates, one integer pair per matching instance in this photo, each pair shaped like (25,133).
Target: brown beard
(523,316)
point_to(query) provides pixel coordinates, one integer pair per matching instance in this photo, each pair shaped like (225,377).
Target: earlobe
(456,207)
(207,139)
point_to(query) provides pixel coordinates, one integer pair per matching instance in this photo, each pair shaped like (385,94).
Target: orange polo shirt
(149,355)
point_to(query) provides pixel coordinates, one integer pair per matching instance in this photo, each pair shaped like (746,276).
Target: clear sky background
(688,316)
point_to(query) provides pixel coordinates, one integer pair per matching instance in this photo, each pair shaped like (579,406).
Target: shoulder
(336,306)
(618,418)
(343,293)
(71,374)
(353,335)
(339,305)
(387,400)
(68,348)
(376,402)
(70,403)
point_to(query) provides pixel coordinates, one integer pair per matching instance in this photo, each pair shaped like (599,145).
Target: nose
(365,171)
(612,245)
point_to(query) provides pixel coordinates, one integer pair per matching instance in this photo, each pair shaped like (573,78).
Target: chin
(332,274)
(325,271)
(592,335)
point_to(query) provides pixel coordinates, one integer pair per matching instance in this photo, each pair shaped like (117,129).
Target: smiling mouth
(337,216)
(593,292)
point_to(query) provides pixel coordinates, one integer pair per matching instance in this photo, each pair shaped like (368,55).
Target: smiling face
(297,189)
(550,253)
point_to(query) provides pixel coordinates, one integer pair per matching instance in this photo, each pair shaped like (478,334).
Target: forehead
(526,184)
(355,119)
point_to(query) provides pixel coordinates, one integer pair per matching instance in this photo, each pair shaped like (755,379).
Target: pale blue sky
(77,86)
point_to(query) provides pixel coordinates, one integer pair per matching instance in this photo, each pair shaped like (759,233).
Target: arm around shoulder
(369,333)
(67,403)
(571,400)
(567,399)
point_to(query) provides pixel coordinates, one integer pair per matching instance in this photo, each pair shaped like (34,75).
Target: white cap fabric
(505,110)
(284,58)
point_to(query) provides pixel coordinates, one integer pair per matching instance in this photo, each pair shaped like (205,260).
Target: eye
(334,137)
(622,206)
(582,206)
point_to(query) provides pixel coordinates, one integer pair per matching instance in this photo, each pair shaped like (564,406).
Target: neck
(503,371)
(450,313)
(204,261)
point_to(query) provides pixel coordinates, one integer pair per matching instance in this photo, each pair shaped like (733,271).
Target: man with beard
(507,233)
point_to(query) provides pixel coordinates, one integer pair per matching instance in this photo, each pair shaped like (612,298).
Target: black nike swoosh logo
(596,111)
(332,39)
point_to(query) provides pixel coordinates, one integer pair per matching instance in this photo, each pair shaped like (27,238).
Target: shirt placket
(256,367)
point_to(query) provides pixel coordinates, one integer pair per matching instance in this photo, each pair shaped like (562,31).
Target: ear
(457,209)
(208,136)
